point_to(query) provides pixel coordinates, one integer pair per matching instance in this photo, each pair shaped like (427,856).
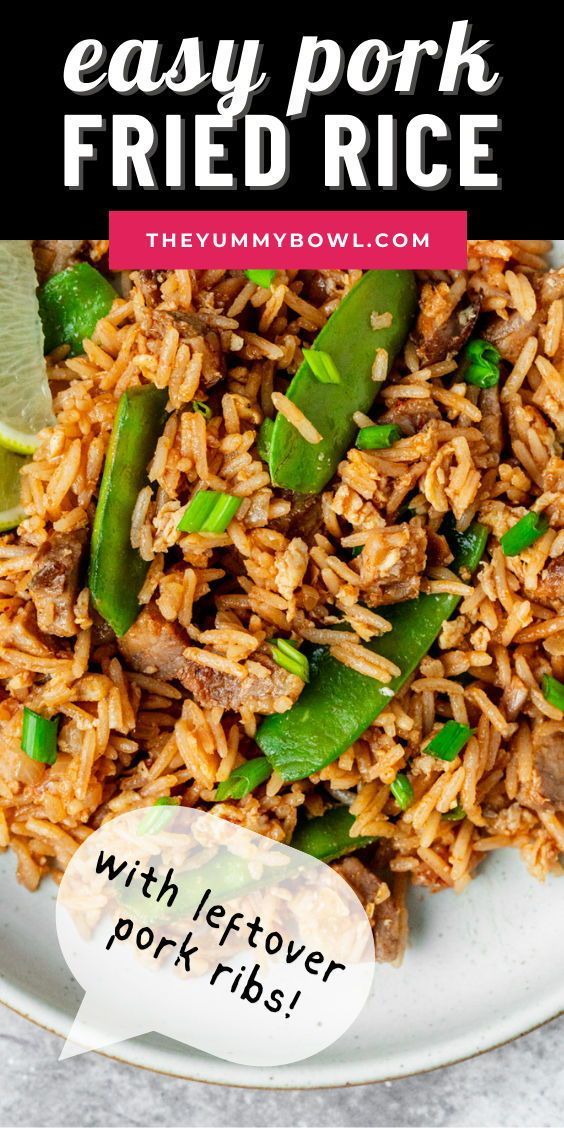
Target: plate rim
(136,1052)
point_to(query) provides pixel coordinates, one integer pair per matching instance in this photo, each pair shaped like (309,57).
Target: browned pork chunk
(188,324)
(384,581)
(550,585)
(386,917)
(55,582)
(441,331)
(155,646)
(272,693)
(548,749)
(410,415)
(510,335)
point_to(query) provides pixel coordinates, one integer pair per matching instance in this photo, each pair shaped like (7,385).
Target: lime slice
(11,512)
(25,400)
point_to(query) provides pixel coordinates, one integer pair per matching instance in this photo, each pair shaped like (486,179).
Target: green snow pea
(264,437)
(328,836)
(351,342)
(338,704)
(70,304)
(117,571)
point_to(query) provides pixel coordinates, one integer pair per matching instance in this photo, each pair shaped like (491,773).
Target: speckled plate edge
(172,1063)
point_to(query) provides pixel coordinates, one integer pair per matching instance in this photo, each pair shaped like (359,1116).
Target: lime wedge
(11,512)
(25,399)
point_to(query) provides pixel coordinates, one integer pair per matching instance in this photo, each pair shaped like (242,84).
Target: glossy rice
(129,736)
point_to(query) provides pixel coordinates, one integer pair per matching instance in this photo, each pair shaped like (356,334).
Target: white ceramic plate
(481,969)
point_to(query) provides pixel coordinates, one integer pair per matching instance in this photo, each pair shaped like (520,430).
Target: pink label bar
(426,240)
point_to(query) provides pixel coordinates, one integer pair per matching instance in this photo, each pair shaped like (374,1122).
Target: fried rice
(132,733)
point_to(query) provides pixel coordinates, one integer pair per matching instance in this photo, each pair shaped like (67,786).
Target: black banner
(523,149)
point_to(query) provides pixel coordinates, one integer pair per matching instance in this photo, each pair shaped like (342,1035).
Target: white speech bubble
(212,935)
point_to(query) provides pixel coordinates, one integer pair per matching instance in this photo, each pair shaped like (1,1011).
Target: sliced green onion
(480,364)
(357,550)
(197,512)
(553,691)
(202,408)
(287,647)
(290,658)
(156,820)
(244,779)
(449,741)
(524,533)
(323,366)
(39,736)
(402,791)
(261,277)
(264,438)
(456,815)
(209,512)
(223,513)
(378,436)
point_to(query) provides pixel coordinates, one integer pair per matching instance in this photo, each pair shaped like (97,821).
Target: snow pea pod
(329,836)
(117,571)
(351,342)
(70,304)
(338,704)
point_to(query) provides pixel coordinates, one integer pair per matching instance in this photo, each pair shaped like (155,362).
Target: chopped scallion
(524,533)
(156,820)
(480,364)
(378,436)
(202,408)
(456,814)
(288,656)
(244,779)
(323,366)
(197,512)
(402,791)
(223,513)
(39,736)
(449,741)
(553,691)
(209,512)
(261,277)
